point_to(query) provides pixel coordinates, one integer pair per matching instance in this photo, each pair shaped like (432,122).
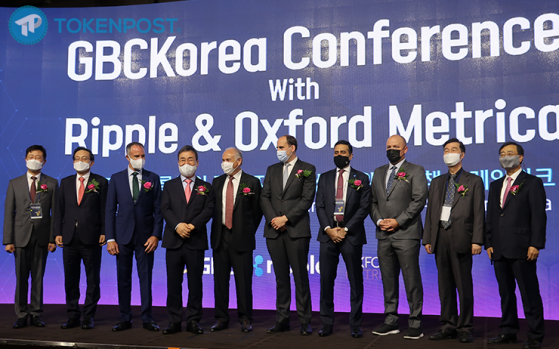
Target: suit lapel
(296,168)
(350,190)
(24,186)
(518,181)
(463,180)
(396,181)
(238,194)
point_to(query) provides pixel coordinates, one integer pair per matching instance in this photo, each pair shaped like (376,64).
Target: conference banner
(218,73)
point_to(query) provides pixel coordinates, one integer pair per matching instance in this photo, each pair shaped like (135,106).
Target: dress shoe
(413,333)
(325,331)
(71,323)
(37,322)
(502,339)
(465,337)
(174,327)
(279,327)
(123,325)
(246,326)
(219,325)
(88,323)
(151,326)
(306,329)
(386,329)
(194,327)
(356,332)
(20,323)
(532,343)
(441,335)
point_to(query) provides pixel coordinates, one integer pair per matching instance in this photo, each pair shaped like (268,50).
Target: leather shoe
(502,338)
(246,326)
(88,324)
(356,332)
(173,327)
(151,326)
(532,343)
(279,327)
(465,337)
(306,329)
(325,331)
(37,322)
(194,327)
(441,335)
(20,323)
(71,323)
(123,325)
(220,325)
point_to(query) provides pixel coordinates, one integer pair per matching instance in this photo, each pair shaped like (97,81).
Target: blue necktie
(390,180)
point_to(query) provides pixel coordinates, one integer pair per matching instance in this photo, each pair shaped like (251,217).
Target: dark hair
(36,147)
(291,140)
(344,142)
(455,140)
(130,145)
(519,148)
(188,148)
(91,156)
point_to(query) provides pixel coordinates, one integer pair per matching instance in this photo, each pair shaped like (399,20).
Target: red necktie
(81,191)
(229,204)
(187,191)
(33,189)
(509,180)
(340,192)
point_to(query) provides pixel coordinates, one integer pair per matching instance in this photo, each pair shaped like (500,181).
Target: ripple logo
(28,25)
(257,261)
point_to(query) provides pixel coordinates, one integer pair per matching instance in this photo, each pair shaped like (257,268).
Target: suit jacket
(357,206)
(89,216)
(294,202)
(247,213)
(18,224)
(404,202)
(144,216)
(198,211)
(467,215)
(521,223)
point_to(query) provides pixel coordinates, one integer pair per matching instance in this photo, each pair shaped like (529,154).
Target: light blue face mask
(282,156)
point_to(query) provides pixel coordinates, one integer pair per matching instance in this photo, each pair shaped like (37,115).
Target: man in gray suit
(399,195)
(28,232)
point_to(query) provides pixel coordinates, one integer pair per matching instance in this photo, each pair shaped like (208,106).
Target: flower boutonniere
(92,186)
(402,175)
(461,189)
(42,188)
(202,190)
(355,184)
(245,190)
(516,188)
(147,186)
(303,174)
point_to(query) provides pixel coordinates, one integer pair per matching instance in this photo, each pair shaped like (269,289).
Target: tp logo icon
(28,25)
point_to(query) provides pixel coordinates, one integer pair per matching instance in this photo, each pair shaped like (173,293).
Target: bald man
(399,195)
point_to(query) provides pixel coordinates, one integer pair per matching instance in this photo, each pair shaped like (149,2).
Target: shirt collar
(86,176)
(514,175)
(398,165)
(346,169)
(457,173)
(29,175)
(237,175)
(193,178)
(292,162)
(130,171)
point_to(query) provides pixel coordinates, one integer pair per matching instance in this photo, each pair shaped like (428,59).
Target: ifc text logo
(28,25)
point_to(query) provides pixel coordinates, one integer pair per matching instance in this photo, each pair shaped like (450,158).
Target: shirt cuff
(328,227)
(378,222)
(110,240)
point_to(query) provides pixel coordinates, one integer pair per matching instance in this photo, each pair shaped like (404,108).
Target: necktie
(33,189)
(449,198)
(285,174)
(507,190)
(135,186)
(390,180)
(81,191)
(229,204)
(340,192)
(187,190)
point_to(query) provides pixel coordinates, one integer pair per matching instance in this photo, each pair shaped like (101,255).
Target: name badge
(445,213)
(339,208)
(36,211)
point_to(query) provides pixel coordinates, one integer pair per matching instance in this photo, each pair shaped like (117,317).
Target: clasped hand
(389,224)
(337,235)
(184,230)
(278,223)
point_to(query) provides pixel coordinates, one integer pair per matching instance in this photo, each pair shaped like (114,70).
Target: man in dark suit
(454,230)
(343,201)
(134,229)
(187,205)
(399,195)
(287,196)
(80,230)
(29,234)
(515,234)
(237,215)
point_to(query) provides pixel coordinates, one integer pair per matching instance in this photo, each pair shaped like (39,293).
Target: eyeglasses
(508,153)
(83,158)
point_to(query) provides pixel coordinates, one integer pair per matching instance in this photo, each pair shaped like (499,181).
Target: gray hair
(131,144)
(237,152)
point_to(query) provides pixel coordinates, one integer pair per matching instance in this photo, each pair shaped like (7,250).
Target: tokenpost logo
(28,25)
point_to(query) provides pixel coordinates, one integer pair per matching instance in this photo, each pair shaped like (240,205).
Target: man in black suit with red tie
(237,215)
(187,205)
(343,201)
(80,230)
(515,234)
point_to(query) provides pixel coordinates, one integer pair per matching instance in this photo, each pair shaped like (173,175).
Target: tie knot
(134,173)
(342,171)
(509,179)
(82,179)
(33,178)
(188,181)
(453,175)
(231,178)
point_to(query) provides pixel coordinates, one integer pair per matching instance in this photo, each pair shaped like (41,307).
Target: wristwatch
(346,230)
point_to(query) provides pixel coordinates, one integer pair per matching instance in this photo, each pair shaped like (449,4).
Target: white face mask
(187,170)
(81,166)
(34,165)
(137,164)
(228,168)
(451,159)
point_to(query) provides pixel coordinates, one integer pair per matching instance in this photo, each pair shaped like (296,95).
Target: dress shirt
(236,182)
(131,177)
(513,176)
(345,176)
(291,165)
(30,181)
(183,179)
(388,172)
(86,177)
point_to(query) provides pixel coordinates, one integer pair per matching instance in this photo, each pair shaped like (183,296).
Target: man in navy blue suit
(134,230)
(343,201)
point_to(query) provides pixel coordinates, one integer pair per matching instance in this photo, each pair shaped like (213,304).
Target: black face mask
(341,161)
(393,155)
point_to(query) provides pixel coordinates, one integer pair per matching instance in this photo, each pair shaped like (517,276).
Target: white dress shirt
(86,178)
(513,176)
(30,181)
(388,172)
(193,179)
(291,165)
(236,182)
(131,177)
(345,176)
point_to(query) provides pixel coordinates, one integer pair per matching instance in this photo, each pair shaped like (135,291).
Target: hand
(383,225)
(533,253)
(428,248)
(342,233)
(490,252)
(112,248)
(151,244)
(58,241)
(10,248)
(279,222)
(476,249)
(389,224)
(52,247)
(333,234)
(183,230)
(102,240)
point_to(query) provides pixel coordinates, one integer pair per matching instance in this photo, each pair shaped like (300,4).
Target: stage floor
(107,316)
